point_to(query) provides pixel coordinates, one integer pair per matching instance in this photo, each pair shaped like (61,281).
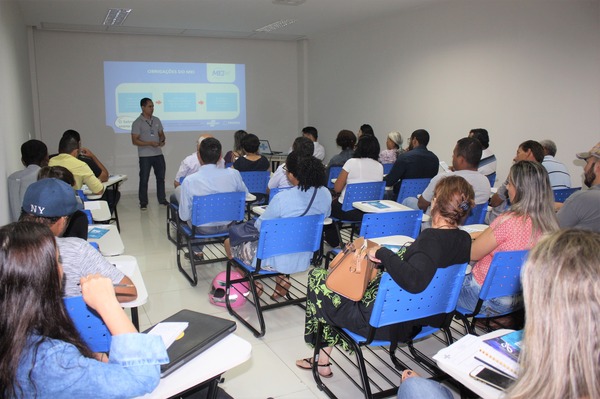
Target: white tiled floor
(271,371)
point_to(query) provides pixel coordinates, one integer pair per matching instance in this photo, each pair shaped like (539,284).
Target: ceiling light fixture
(116,16)
(289,2)
(276,25)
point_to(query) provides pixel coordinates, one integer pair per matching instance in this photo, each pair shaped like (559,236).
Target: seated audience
(303,147)
(441,246)
(365,130)
(208,180)
(68,149)
(393,148)
(529,150)
(78,222)
(561,341)
(346,140)
(487,163)
(531,214)
(188,166)
(557,171)
(42,354)
(582,209)
(51,202)
(363,167)
(311,133)
(465,157)
(308,196)
(88,157)
(416,163)
(237,151)
(34,155)
(251,161)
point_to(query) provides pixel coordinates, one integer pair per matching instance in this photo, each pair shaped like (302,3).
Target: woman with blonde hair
(530,216)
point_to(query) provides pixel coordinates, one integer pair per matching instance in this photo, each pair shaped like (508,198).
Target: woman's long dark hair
(30,298)
(309,171)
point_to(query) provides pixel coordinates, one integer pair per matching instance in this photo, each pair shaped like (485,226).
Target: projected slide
(186,96)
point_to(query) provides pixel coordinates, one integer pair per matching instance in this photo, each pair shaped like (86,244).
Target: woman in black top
(441,246)
(252,161)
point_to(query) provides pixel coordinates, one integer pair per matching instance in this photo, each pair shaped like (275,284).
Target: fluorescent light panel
(116,16)
(276,25)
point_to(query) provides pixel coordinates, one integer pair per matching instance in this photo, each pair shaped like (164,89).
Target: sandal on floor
(309,361)
(282,286)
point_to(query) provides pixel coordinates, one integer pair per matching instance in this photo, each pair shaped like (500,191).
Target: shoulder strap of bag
(310,203)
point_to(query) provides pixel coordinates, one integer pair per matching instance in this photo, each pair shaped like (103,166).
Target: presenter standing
(148,135)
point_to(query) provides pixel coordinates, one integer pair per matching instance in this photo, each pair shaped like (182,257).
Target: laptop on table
(202,332)
(265,148)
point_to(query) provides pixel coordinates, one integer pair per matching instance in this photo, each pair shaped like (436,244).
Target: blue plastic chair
(492,178)
(89,324)
(173,221)
(412,188)
(395,305)
(387,167)
(477,214)
(215,208)
(371,191)
(562,194)
(257,183)
(406,223)
(503,279)
(274,240)
(334,172)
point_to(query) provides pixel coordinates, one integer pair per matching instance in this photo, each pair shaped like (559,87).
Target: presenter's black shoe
(143,207)
(164,202)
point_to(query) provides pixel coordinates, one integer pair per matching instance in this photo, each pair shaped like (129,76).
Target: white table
(472,228)
(129,266)
(205,368)
(113,181)
(110,244)
(458,361)
(260,209)
(382,206)
(99,209)
(393,240)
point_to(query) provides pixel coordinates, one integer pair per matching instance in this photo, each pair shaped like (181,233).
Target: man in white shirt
(557,171)
(311,133)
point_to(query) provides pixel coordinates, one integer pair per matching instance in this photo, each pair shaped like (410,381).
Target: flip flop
(309,360)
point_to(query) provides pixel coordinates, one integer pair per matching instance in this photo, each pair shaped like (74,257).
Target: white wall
(69,73)
(15,98)
(522,69)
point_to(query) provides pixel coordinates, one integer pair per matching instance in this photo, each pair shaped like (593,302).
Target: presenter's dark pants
(157,163)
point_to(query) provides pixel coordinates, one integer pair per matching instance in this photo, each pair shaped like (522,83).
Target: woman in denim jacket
(41,353)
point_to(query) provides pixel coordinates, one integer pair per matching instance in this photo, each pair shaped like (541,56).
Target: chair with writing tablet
(503,279)
(221,208)
(89,324)
(561,195)
(274,240)
(257,184)
(387,167)
(173,218)
(356,192)
(411,188)
(334,172)
(393,305)
(477,214)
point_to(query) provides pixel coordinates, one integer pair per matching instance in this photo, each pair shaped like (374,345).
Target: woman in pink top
(530,216)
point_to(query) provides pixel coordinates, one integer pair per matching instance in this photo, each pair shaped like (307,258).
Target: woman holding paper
(41,352)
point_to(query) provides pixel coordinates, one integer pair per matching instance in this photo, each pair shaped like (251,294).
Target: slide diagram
(187,97)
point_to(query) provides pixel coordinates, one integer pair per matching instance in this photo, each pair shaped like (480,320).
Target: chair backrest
(256,182)
(274,238)
(561,195)
(412,188)
(221,207)
(504,275)
(81,195)
(370,191)
(89,324)
(334,172)
(492,178)
(395,305)
(276,190)
(405,223)
(89,216)
(477,214)
(387,167)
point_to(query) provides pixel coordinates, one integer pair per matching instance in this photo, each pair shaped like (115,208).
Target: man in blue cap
(51,202)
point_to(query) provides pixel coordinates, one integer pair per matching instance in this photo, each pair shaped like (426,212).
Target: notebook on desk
(202,332)
(265,148)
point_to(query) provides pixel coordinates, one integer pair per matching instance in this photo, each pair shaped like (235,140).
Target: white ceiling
(210,18)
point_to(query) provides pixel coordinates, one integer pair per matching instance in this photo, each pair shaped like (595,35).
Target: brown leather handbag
(351,270)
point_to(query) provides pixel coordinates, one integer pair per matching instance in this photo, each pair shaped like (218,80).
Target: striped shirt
(557,172)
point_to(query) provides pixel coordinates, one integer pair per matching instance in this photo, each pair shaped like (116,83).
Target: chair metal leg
(248,278)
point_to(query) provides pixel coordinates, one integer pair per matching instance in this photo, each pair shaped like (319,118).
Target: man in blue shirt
(209,179)
(418,162)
